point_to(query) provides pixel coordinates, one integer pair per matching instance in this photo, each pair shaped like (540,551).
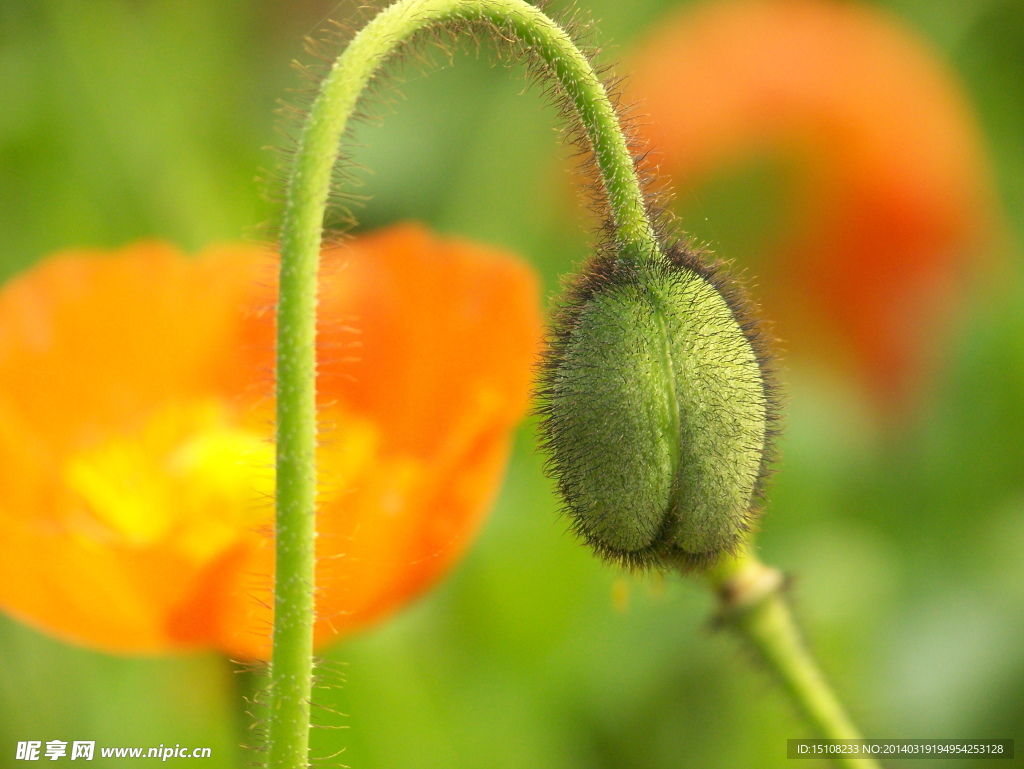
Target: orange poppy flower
(136,458)
(893,205)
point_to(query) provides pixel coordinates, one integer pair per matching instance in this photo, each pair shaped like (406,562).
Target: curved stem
(753,605)
(305,204)
(766,622)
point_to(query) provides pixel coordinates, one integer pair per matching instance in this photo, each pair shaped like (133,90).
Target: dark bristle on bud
(658,409)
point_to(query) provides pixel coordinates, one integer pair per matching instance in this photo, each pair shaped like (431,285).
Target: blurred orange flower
(893,205)
(136,452)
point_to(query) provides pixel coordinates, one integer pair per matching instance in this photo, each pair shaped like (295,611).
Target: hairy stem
(754,607)
(302,224)
(765,622)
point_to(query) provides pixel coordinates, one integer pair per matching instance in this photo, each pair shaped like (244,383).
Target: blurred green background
(127,119)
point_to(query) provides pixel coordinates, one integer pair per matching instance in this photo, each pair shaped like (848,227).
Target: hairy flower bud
(657,411)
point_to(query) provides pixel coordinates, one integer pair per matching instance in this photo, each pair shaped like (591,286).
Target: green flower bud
(657,411)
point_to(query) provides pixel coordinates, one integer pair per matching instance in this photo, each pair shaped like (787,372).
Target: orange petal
(91,346)
(895,206)
(425,353)
(135,426)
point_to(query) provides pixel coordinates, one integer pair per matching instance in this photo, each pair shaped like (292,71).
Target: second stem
(754,606)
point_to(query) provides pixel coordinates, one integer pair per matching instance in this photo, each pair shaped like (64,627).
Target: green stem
(302,224)
(753,605)
(765,620)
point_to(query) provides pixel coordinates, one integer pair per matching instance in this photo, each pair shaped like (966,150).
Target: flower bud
(657,411)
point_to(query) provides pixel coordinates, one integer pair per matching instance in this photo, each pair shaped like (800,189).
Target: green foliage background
(128,119)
